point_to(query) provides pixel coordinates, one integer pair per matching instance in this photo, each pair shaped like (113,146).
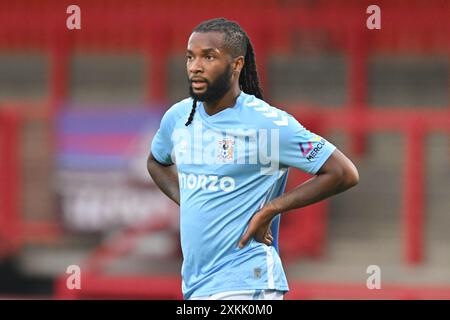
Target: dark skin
(336,175)
(207,58)
(165,177)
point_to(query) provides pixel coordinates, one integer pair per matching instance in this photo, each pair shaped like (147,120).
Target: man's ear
(238,64)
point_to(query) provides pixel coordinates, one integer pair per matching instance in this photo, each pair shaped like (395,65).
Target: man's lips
(197,79)
(198,84)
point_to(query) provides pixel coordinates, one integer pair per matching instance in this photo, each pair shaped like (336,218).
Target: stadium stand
(77,110)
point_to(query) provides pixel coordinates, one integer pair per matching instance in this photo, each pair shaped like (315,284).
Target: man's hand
(258,228)
(336,175)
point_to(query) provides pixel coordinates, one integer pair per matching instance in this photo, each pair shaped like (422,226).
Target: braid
(248,79)
(191,115)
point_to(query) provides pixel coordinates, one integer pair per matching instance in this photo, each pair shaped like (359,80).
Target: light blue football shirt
(230,165)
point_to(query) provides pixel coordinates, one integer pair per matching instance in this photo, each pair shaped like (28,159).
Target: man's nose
(195,66)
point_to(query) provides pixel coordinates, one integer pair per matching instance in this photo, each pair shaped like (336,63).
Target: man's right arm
(165,177)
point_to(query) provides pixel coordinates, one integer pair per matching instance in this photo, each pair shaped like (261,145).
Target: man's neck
(227,101)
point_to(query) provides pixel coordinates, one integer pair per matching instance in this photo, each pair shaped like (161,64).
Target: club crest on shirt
(225,150)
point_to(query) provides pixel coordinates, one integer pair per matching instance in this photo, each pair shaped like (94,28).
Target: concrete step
(347,261)
(148,256)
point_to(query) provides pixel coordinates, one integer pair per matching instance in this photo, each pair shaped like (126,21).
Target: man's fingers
(268,239)
(261,233)
(244,239)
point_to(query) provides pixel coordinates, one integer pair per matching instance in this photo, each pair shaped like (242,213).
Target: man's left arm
(336,175)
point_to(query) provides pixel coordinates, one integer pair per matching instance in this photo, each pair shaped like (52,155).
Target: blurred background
(78,109)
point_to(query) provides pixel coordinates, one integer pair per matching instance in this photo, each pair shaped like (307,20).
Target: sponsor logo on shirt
(206,182)
(310,150)
(305,148)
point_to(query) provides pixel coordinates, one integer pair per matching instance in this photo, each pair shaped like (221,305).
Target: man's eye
(209,58)
(189,57)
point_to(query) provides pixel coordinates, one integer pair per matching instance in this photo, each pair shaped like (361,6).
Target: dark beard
(215,90)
